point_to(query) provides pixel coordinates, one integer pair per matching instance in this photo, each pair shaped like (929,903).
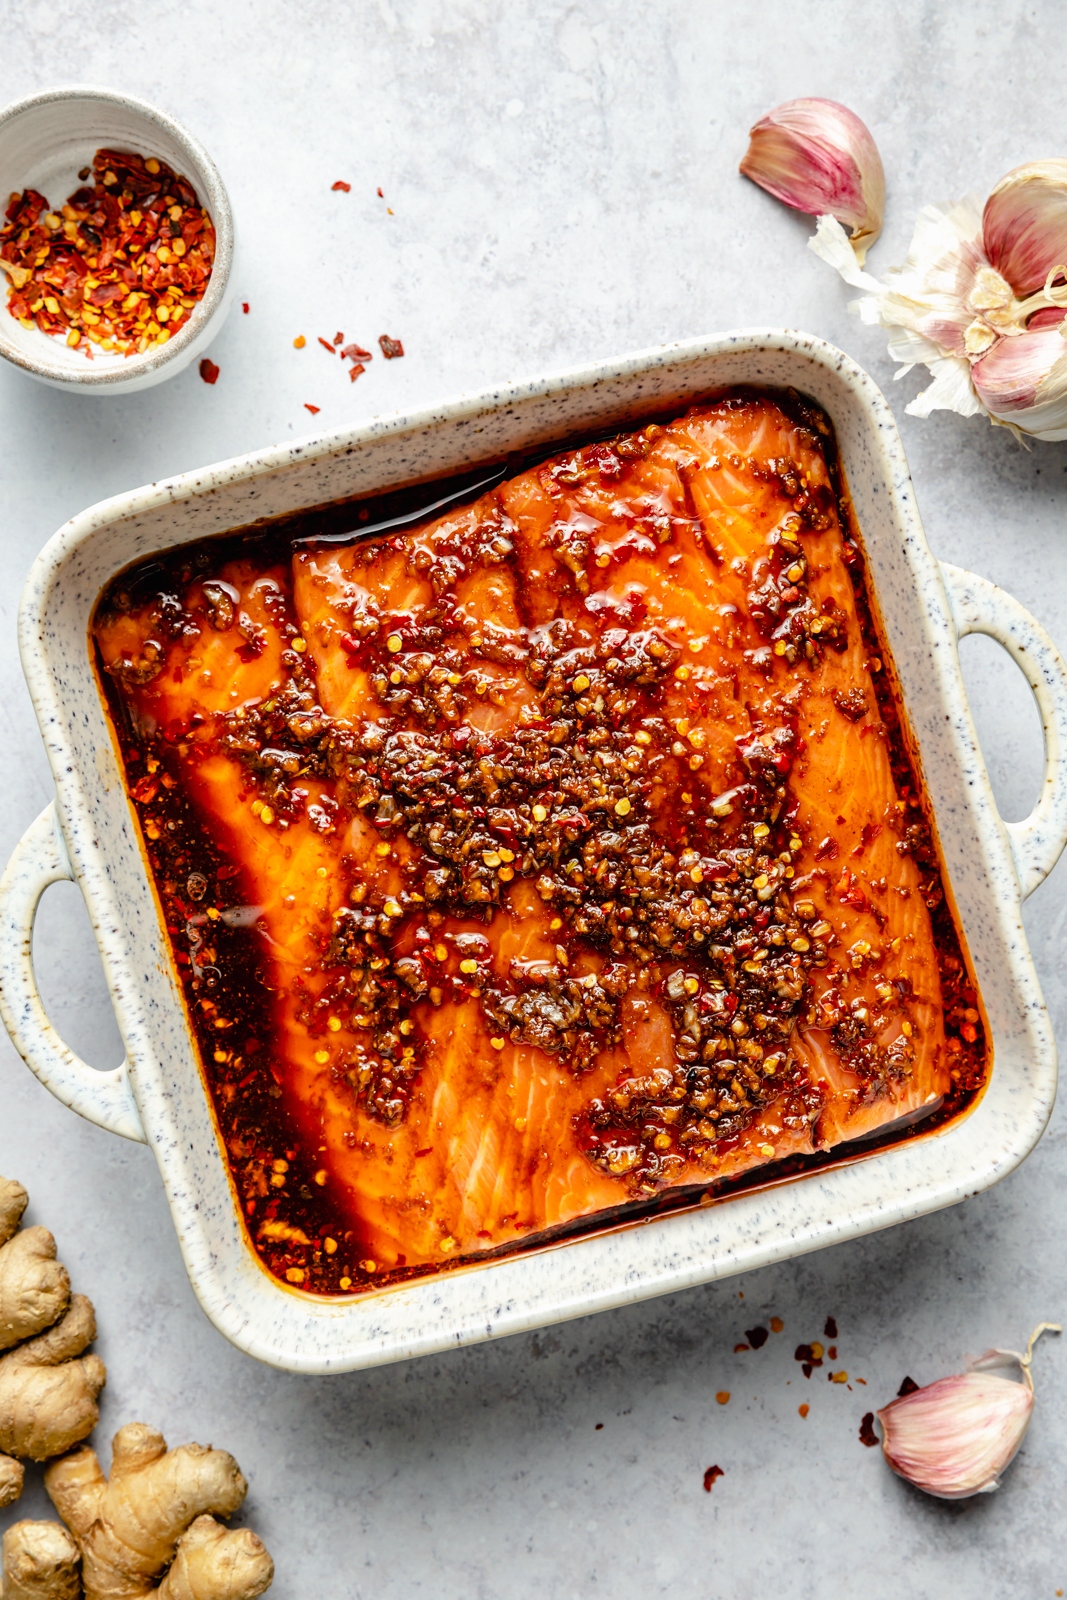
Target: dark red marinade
(228,993)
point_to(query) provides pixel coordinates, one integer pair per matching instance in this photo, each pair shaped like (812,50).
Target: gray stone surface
(563,187)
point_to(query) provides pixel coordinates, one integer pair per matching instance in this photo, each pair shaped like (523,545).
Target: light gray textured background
(563,185)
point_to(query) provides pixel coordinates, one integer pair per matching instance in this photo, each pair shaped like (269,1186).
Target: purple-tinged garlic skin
(1024,380)
(1024,224)
(818,157)
(955,310)
(955,1437)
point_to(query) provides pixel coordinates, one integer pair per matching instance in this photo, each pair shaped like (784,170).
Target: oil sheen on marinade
(556,854)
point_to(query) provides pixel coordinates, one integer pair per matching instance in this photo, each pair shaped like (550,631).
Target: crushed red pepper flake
(122,265)
(867,1433)
(326,345)
(345,188)
(393,774)
(803,1409)
(380,195)
(313,409)
(710,1475)
(244,307)
(356,352)
(209,371)
(391,348)
(354,372)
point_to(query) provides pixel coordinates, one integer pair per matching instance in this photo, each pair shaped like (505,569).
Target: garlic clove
(1023,381)
(818,157)
(955,1437)
(1024,225)
(979,301)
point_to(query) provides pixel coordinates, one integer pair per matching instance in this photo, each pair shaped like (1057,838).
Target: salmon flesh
(546,857)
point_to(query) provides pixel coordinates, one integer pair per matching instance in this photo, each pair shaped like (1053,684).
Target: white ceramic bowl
(45,140)
(90,834)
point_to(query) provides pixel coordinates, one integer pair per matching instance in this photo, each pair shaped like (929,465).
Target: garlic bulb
(817,156)
(956,1437)
(980,301)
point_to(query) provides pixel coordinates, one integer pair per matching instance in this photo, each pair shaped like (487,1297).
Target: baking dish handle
(978,606)
(106,1098)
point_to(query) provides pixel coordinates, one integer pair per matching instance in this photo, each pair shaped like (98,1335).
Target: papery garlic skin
(949,308)
(1024,224)
(955,1437)
(818,157)
(1026,377)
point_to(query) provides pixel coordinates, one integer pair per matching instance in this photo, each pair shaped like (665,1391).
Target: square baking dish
(90,835)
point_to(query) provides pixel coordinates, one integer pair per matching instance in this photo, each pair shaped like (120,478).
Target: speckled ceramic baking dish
(89,835)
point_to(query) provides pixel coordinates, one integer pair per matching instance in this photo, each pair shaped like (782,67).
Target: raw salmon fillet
(574,833)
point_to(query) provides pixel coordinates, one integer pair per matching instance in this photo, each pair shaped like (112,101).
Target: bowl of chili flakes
(117,241)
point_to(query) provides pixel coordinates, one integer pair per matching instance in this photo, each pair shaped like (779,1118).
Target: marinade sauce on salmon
(546,859)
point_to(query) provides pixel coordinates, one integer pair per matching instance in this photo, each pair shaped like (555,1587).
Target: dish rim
(617,1271)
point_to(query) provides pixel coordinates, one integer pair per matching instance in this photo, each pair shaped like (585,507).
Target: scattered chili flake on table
(380,195)
(356,352)
(805,1408)
(867,1433)
(355,371)
(777,1324)
(299,342)
(830,1330)
(710,1475)
(326,345)
(757,1337)
(313,409)
(122,265)
(391,348)
(342,185)
(244,307)
(809,1355)
(723,1396)
(209,371)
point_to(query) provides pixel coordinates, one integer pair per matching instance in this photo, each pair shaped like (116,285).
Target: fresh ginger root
(40,1562)
(217,1563)
(11,1476)
(153,1511)
(48,1387)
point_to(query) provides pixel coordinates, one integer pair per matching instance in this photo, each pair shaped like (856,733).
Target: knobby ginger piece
(13,1202)
(40,1561)
(12,1475)
(34,1287)
(217,1563)
(130,1527)
(48,1386)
